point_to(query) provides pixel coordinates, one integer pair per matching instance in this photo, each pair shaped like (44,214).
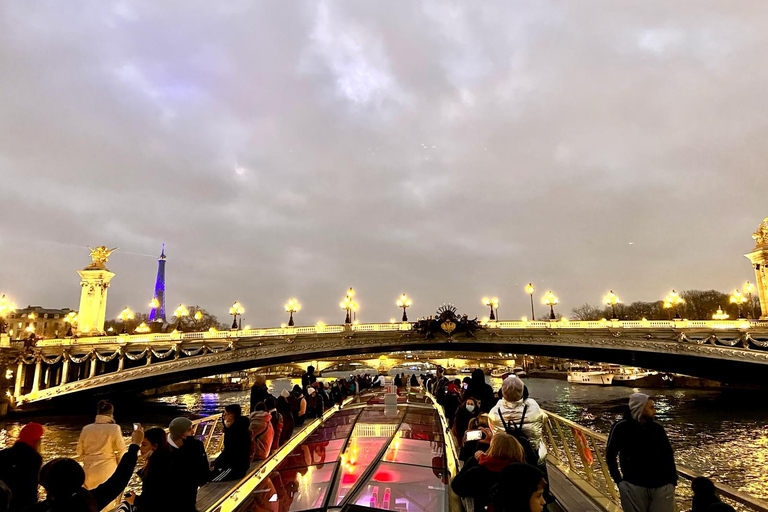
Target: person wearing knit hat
(648,475)
(19,466)
(189,463)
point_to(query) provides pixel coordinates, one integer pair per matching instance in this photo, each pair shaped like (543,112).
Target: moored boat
(596,377)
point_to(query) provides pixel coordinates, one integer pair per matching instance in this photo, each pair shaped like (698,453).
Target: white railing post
(36,382)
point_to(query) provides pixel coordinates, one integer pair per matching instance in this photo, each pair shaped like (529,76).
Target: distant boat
(626,376)
(590,375)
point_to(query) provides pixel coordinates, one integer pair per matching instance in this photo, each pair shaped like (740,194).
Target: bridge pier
(64,371)
(92,373)
(20,373)
(36,380)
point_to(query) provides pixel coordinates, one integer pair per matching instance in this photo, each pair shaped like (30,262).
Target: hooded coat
(476,478)
(236,454)
(533,425)
(100,447)
(19,467)
(262,434)
(478,389)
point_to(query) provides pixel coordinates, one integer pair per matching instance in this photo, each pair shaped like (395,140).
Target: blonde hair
(480,421)
(504,446)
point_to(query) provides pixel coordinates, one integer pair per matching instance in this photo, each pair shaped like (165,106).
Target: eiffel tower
(158,311)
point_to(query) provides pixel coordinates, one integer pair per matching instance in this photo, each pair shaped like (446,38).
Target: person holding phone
(476,438)
(154,497)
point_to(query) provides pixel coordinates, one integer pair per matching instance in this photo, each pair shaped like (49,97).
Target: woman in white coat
(101,446)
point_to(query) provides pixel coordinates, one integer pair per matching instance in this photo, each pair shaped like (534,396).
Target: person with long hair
(464,413)
(100,446)
(155,475)
(482,470)
(468,446)
(519,488)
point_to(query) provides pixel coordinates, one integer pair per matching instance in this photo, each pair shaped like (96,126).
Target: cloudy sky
(449,150)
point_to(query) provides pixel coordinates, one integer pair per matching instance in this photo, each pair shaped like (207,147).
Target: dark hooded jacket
(19,466)
(236,454)
(477,477)
(481,391)
(644,453)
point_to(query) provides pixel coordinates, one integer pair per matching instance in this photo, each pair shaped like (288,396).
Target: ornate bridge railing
(580,453)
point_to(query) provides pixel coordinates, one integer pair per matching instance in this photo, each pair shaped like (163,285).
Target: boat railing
(579,453)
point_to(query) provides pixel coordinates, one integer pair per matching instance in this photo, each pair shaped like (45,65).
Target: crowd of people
(499,433)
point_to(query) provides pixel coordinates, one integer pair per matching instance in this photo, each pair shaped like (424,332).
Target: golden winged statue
(760,236)
(100,255)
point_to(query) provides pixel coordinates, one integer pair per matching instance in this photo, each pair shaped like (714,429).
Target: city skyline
(446,152)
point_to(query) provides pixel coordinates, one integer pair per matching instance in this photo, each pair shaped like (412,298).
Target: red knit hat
(30,434)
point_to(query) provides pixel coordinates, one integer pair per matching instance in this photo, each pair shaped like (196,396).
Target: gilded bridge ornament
(761,235)
(99,256)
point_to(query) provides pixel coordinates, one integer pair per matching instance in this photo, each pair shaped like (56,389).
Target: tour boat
(626,376)
(590,376)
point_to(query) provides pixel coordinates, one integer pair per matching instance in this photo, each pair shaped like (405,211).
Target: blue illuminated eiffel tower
(158,311)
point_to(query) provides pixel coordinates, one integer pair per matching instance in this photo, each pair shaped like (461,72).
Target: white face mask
(228,423)
(470,407)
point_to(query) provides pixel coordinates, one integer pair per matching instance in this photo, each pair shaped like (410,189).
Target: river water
(722,434)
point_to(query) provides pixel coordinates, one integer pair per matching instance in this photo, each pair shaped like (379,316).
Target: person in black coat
(648,475)
(63,481)
(235,458)
(189,464)
(481,391)
(308,378)
(155,475)
(20,465)
(259,391)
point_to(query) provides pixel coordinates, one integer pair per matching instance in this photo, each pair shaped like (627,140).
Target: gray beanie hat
(178,426)
(637,403)
(512,389)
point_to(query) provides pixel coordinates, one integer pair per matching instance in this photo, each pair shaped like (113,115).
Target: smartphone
(135,426)
(475,435)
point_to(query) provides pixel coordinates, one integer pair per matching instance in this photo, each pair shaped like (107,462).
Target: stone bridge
(730,351)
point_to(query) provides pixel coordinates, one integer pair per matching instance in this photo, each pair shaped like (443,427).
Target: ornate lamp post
(347,304)
(6,307)
(612,299)
(748,289)
(292,306)
(739,299)
(236,310)
(70,319)
(719,314)
(142,328)
(529,290)
(125,315)
(180,313)
(551,301)
(404,302)
(674,300)
(493,304)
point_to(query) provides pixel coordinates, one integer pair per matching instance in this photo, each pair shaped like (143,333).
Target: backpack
(516,431)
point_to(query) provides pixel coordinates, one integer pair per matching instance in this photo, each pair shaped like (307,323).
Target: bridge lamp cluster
(530,290)
(551,301)
(720,314)
(124,316)
(494,305)
(748,289)
(292,306)
(6,307)
(611,300)
(70,320)
(739,299)
(674,300)
(180,312)
(404,302)
(236,310)
(349,305)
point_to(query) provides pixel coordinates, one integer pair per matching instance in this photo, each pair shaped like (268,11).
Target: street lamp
(739,299)
(719,314)
(292,306)
(70,319)
(529,290)
(236,310)
(748,289)
(404,302)
(6,307)
(181,312)
(493,304)
(674,300)
(612,299)
(125,315)
(551,301)
(142,328)
(198,316)
(347,304)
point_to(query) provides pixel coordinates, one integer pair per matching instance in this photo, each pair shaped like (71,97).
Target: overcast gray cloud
(446,149)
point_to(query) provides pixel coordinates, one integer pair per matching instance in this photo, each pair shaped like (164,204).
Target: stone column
(94,283)
(19,379)
(121,361)
(92,374)
(36,381)
(759,259)
(64,371)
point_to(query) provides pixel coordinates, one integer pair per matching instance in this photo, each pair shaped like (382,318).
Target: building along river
(722,434)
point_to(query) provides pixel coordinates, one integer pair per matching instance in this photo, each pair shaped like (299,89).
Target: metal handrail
(594,476)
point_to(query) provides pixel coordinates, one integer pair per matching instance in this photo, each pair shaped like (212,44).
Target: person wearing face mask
(154,475)
(235,458)
(464,413)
